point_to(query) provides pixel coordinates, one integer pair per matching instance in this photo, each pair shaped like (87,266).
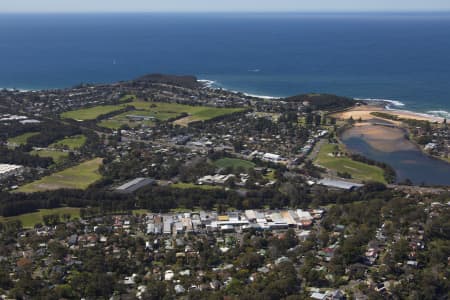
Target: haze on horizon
(78,6)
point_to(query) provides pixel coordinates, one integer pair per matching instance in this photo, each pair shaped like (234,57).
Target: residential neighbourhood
(163,187)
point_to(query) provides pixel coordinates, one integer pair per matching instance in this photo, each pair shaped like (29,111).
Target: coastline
(387,105)
(376,104)
(364,112)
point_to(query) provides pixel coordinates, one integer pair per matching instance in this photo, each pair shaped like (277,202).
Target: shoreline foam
(390,105)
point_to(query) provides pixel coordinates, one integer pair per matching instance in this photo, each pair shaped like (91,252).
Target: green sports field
(86,114)
(72,142)
(31,219)
(21,139)
(358,170)
(57,156)
(118,121)
(159,110)
(78,177)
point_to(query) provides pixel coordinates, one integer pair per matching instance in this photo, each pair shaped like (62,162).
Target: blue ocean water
(404,57)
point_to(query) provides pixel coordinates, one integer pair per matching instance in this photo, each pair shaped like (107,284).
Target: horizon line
(235,12)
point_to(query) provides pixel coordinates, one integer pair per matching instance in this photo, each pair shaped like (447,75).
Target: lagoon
(389,145)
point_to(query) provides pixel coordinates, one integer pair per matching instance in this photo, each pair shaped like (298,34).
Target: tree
(51,220)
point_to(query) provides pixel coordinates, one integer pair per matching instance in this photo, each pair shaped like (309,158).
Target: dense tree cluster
(323,101)
(16,156)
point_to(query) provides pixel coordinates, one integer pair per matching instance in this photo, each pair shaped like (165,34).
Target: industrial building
(7,170)
(135,184)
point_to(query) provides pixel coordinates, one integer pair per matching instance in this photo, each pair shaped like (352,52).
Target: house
(168,275)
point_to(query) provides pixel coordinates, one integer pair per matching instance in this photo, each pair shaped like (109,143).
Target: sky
(29,6)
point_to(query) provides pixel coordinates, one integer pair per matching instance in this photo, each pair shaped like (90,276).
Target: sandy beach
(363,112)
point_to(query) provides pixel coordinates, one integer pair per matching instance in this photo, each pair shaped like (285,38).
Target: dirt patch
(184,122)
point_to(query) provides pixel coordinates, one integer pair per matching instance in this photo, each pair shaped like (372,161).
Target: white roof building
(7,170)
(272,157)
(304,215)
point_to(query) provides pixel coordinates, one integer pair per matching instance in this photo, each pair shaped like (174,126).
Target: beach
(364,113)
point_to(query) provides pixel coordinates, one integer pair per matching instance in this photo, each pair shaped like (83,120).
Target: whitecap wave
(214,84)
(389,101)
(18,90)
(261,96)
(207,82)
(439,113)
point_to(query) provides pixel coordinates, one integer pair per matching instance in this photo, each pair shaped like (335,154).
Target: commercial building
(7,170)
(135,185)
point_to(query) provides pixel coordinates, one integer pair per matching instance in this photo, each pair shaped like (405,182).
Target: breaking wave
(214,84)
(439,113)
(388,101)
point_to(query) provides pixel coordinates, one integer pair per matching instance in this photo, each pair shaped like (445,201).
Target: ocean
(402,57)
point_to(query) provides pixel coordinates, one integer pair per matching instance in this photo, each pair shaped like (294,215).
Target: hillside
(323,101)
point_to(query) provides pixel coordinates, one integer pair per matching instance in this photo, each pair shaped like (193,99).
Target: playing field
(72,143)
(357,169)
(57,156)
(78,177)
(234,163)
(91,113)
(124,119)
(21,139)
(158,110)
(31,219)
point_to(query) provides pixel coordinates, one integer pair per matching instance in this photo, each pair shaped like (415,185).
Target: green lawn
(234,163)
(78,177)
(160,110)
(140,211)
(165,111)
(127,97)
(118,121)
(57,156)
(358,170)
(21,139)
(270,175)
(182,185)
(31,219)
(72,143)
(212,112)
(91,113)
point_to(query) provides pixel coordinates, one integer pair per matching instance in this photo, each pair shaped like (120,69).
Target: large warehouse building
(7,170)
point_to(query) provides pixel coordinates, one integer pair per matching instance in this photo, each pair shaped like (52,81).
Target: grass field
(57,156)
(72,143)
(182,185)
(31,219)
(357,169)
(118,121)
(127,97)
(91,113)
(78,177)
(21,139)
(159,110)
(234,163)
